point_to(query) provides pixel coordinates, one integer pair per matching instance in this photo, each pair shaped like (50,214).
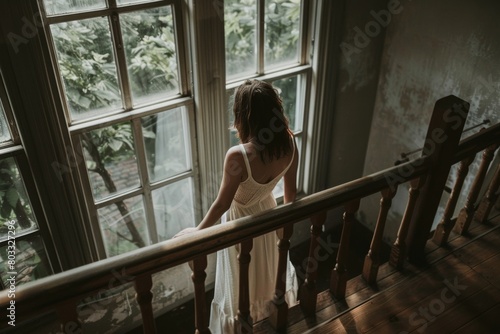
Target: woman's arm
(233,171)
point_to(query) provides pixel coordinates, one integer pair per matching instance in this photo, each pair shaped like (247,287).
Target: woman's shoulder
(234,153)
(235,162)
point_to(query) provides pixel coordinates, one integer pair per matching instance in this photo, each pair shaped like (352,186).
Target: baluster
(279,314)
(308,292)
(489,199)
(339,273)
(68,317)
(198,276)
(444,227)
(244,317)
(372,260)
(398,250)
(144,297)
(466,214)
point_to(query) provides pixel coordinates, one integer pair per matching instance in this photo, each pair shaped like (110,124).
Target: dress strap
(245,157)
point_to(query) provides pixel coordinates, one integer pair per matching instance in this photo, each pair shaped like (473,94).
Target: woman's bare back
(264,172)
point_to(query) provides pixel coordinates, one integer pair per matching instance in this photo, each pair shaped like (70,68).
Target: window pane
(4,126)
(53,7)
(174,208)
(289,91)
(30,258)
(149,41)
(110,159)
(166,138)
(233,139)
(240,26)
(123,226)
(87,66)
(282,30)
(278,191)
(15,206)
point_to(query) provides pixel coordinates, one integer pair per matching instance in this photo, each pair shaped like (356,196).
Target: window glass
(87,67)
(124,226)
(149,41)
(4,126)
(282,31)
(167,144)
(110,159)
(53,7)
(31,261)
(240,22)
(174,208)
(289,92)
(233,138)
(15,206)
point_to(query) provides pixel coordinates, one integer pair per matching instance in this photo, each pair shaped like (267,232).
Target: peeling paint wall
(357,80)
(432,49)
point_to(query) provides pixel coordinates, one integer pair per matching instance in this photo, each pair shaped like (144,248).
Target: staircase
(384,298)
(457,291)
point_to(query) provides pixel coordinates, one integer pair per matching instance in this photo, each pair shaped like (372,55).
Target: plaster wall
(355,92)
(432,49)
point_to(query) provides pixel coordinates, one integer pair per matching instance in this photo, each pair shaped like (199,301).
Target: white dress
(250,198)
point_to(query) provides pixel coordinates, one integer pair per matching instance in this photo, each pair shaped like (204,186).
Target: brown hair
(259,118)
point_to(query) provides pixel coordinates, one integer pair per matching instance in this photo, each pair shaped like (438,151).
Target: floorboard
(411,300)
(458,290)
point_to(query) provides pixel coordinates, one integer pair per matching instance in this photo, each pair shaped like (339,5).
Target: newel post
(441,142)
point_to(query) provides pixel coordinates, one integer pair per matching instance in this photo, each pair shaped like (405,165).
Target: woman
(251,171)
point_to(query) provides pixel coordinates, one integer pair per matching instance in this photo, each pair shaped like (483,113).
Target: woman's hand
(186,231)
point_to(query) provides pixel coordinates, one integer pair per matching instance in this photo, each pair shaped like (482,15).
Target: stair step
(358,291)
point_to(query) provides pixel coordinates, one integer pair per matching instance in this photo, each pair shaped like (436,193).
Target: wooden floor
(457,292)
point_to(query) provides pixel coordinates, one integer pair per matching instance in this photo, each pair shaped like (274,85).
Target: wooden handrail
(477,142)
(52,292)
(84,280)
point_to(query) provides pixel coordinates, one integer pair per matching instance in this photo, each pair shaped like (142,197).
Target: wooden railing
(426,175)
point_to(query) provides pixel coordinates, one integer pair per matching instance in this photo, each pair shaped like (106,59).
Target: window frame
(203,74)
(13,148)
(129,113)
(302,68)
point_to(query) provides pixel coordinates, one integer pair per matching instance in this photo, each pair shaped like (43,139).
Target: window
(122,76)
(267,40)
(123,110)
(23,252)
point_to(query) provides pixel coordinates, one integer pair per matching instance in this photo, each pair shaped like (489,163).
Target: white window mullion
(145,182)
(121,62)
(89,207)
(181,35)
(321,100)
(260,36)
(306,28)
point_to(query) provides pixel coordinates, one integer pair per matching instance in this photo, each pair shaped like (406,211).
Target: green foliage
(86,64)
(282,19)
(149,41)
(114,143)
(282,29)
(14,202)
